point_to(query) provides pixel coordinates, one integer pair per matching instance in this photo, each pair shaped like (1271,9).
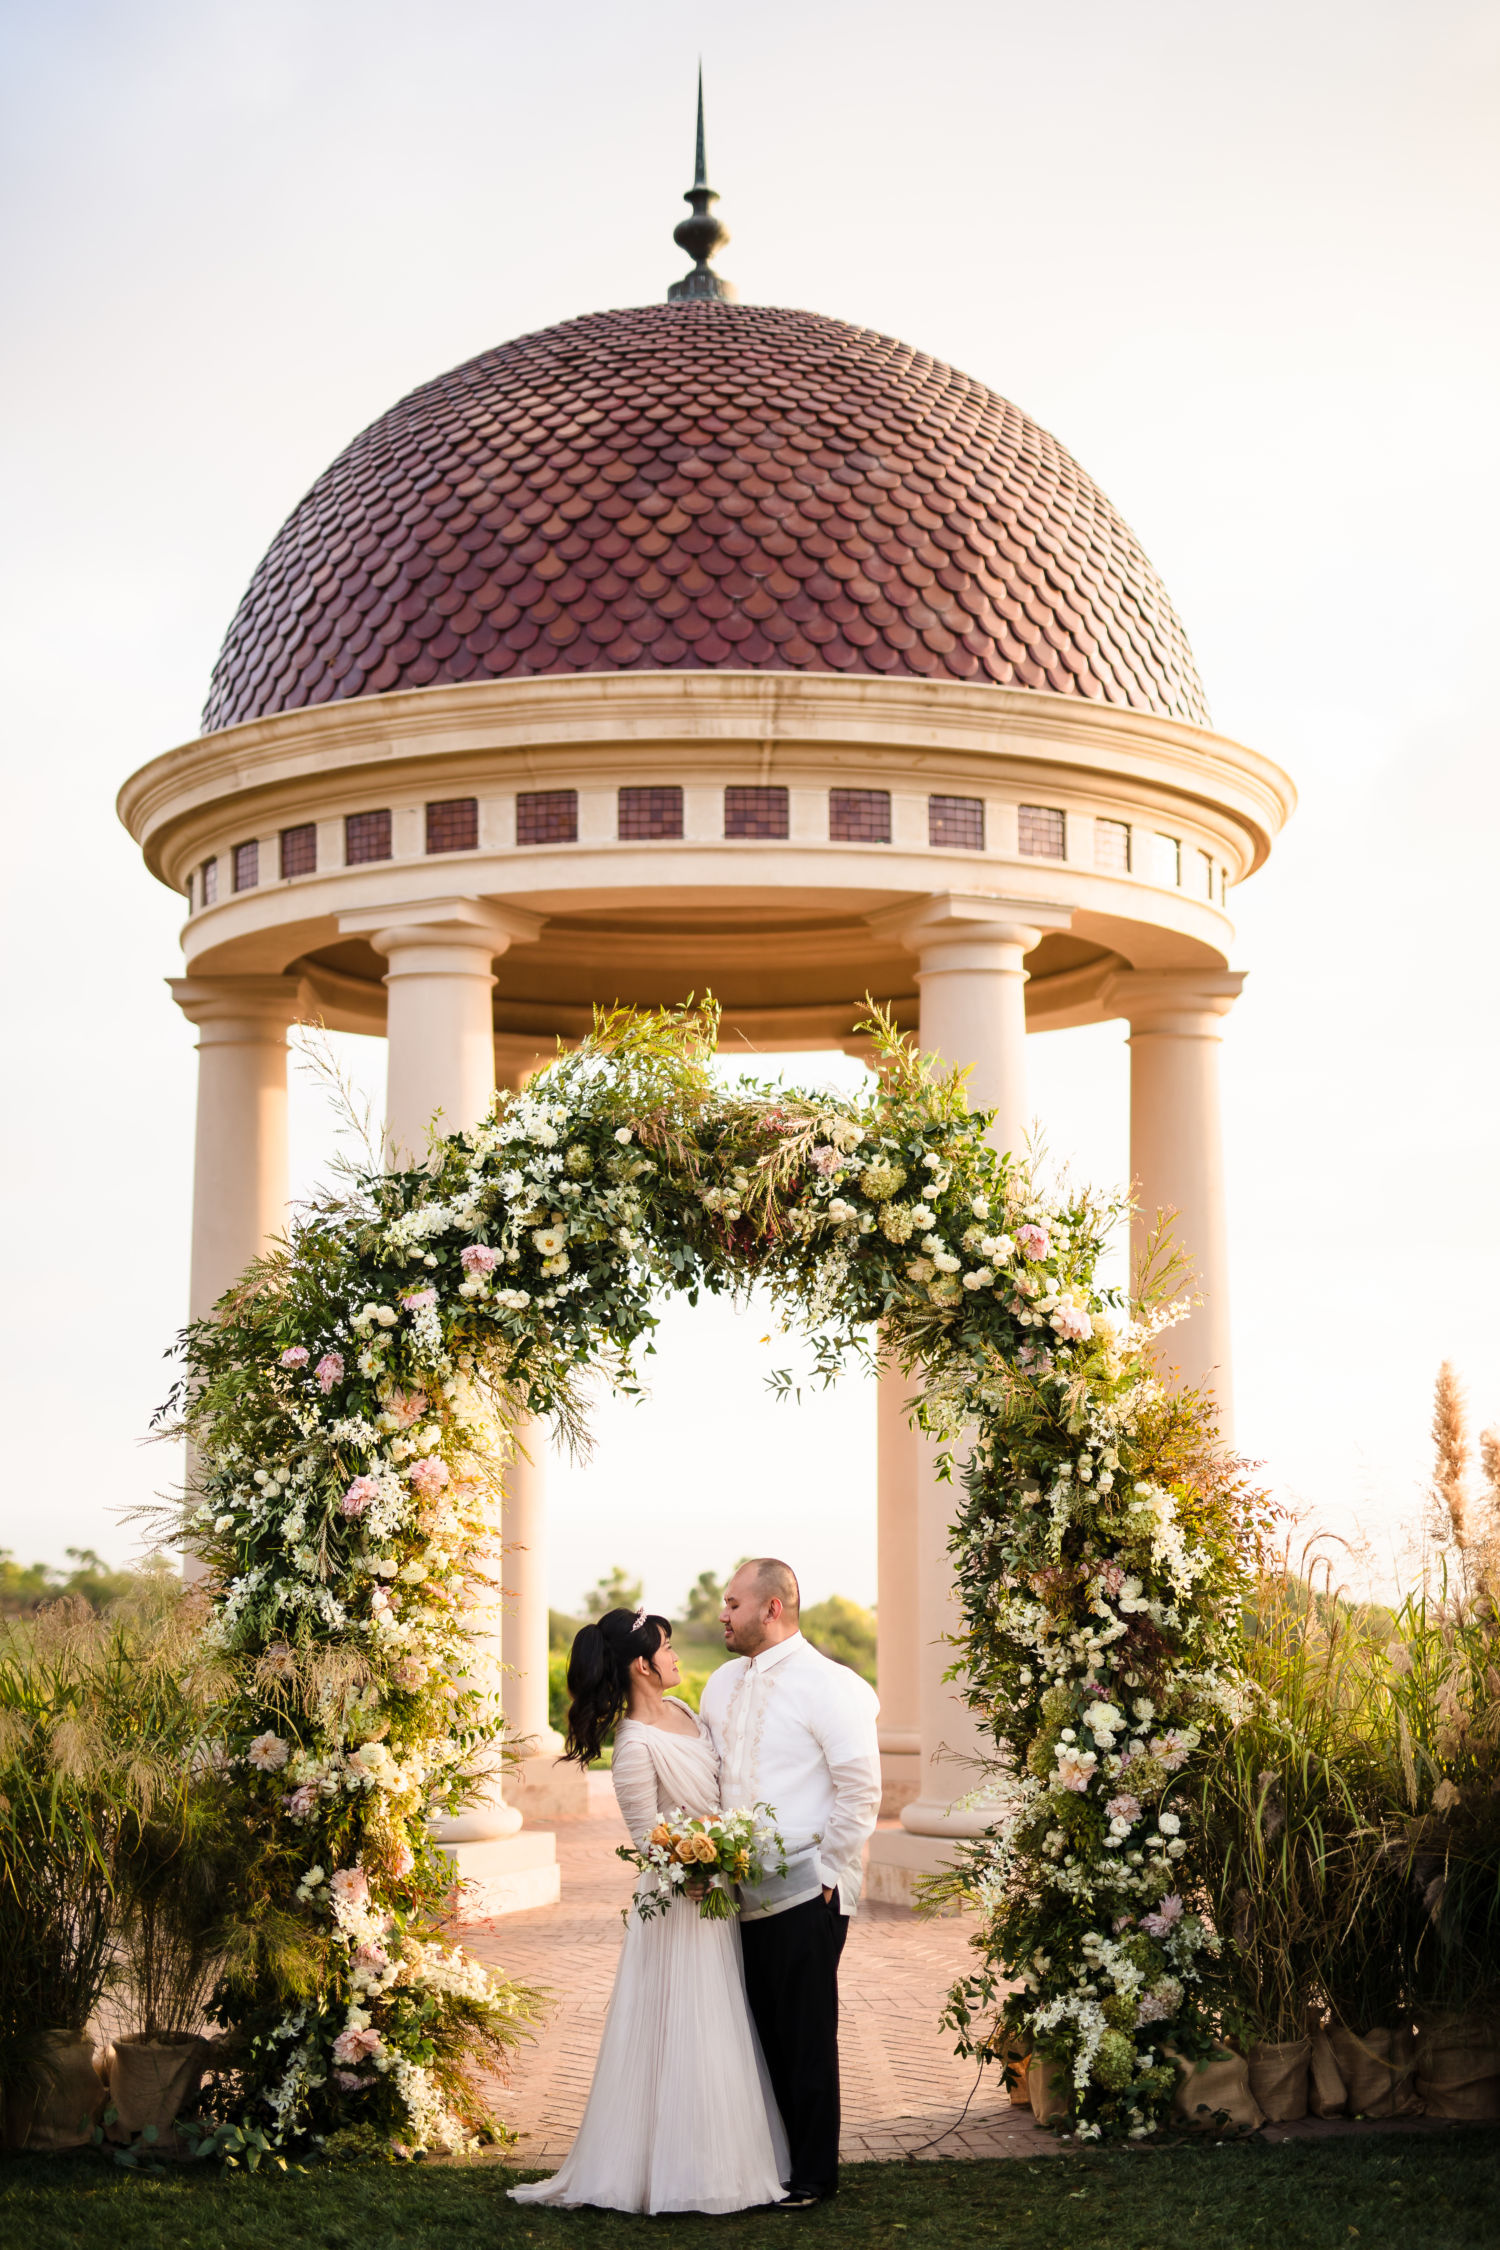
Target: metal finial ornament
(701,235)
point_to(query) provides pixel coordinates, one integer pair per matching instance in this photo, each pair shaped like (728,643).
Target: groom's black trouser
(792,1979)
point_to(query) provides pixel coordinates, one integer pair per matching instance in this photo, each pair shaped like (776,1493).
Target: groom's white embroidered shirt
(796,1731)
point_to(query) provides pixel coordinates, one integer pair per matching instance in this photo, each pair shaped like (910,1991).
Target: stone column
(1176,1149)
(898,1654)
(971,975)
(240,1147)
(440,1034)
(541,1785)
(440,1073)
(240,1142)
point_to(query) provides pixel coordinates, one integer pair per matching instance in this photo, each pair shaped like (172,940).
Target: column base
(548,1788)
(896,1862)
(505,1875)
(900,1781)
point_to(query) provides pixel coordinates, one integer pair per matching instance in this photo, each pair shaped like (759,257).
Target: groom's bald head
(762,1604)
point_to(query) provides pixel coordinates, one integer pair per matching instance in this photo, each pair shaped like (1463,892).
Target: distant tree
(844,1631)
(614,1592)
(28,1586)
(705,1599)
(560,1630)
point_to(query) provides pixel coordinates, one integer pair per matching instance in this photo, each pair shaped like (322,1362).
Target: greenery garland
(350,1405)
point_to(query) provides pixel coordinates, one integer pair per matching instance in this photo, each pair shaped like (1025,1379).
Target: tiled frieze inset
(547,816)
(759,811)
(956,823)
(649,815)
(299,850)
(453,825)
(367,836)
(859,816)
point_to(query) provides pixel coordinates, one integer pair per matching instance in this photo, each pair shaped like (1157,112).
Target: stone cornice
(770,719)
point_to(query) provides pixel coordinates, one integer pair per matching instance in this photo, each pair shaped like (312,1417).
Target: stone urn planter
(63,2101)
(1278,2078)
(1378,2069)
(1215,2095)
(151,2083)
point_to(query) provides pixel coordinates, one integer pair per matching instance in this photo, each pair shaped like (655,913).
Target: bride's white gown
(680,2116)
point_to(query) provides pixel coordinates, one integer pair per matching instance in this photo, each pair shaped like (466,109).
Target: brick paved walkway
(903,2086)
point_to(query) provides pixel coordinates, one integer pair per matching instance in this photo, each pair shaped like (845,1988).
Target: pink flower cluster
(478,1259)
(1124,1807)
(329,1370)
(406,1407)
(295,1355)
(1071,1322)
(418,1300)
(410,1673)
(350,1886)
(358,2046)
(358,1497)
(428,1477)
(300,1802)
(268,1753)
(1169,1911)
(1033,1242)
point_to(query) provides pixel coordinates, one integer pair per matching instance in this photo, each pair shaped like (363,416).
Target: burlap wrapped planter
(1458,2068)
(1049,2087)
(1378,2069)
(63,2102)
(1327,2094)
(1216,2095)
(1278,2078)
(1017,2060)
(151,2082)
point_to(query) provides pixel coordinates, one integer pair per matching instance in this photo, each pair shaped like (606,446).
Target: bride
(680,2116)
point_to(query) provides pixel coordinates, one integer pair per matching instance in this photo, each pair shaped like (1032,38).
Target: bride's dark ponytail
(599,1675)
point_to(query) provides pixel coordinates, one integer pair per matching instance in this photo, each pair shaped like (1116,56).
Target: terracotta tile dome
(701,485)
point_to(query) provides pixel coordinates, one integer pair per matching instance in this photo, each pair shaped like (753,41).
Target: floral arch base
(350,1402)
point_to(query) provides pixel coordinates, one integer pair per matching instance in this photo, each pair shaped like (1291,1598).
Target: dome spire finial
(701,235)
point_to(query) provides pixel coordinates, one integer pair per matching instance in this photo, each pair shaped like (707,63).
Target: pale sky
(1240,260)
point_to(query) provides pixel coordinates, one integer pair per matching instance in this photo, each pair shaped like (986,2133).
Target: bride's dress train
(680,2116)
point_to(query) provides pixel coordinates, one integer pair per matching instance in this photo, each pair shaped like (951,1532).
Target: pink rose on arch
(329,1370)
(403,1862)
(1033,1242)
(358,1497)
(301,1802)
(371,1956)
(1072,1323)
(429,1477)
(1075,1770)
(1125,1808)
(268,1753)
(406,1407)
(358,2046)
(478,1259)
(350,1886)
(824,1160)
(418,1300)
(410,1673)
(350,2084)
(1169,1911)
(296,1355)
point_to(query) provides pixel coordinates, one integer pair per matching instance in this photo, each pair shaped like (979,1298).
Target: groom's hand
(827,1892)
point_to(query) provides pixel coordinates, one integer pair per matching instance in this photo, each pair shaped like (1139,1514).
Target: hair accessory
(637,1623)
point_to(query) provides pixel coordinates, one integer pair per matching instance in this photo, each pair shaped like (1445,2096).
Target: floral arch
(349,1405)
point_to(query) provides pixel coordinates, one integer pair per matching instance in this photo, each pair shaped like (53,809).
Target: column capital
(236,1008)
(975,929)
(1184,1001)
(468,924)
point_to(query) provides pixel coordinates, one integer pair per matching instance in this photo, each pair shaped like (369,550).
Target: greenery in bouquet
(705,1856)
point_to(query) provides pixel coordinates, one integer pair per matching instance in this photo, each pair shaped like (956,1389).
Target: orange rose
(661,1834)
(705,1850)
(686,1850)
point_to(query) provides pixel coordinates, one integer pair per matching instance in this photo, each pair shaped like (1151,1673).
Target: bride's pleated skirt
(680,2116)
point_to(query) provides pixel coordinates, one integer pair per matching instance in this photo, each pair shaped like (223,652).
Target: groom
(796,1731)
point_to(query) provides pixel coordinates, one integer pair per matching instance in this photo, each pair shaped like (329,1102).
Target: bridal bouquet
(706,1855)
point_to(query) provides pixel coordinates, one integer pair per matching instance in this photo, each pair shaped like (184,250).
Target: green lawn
(1387,2192)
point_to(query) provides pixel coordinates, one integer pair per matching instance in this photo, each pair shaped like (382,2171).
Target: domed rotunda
(708,646)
